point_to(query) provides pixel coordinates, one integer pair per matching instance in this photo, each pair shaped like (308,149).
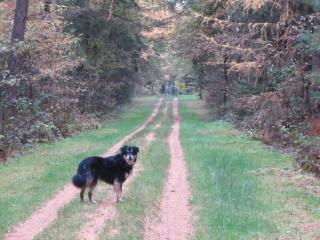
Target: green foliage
(264,57)
(314,78)
(310,41)
(315,4)
(111,50)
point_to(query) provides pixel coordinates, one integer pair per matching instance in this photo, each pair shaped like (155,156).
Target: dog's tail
(79,181)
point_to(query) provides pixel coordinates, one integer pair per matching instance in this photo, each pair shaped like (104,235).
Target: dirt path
(174,213)
(118,145)
(48,212)
(107,208)
(164,115)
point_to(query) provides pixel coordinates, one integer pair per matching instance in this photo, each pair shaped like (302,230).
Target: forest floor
(217,183)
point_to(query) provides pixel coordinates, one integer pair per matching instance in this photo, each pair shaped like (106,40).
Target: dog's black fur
(113,170)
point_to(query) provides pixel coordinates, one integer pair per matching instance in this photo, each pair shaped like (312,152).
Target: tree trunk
(307,102)
(20,20)
(226,91)
(50,7)
(46,6)
(18,31)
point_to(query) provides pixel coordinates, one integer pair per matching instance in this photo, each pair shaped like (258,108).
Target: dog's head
(129,154)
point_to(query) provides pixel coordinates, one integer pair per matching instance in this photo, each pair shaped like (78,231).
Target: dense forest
(64,64)
(257,64)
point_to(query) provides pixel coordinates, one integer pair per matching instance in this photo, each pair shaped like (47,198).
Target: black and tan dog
(113,170)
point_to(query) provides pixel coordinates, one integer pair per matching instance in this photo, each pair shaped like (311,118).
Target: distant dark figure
(175,91)
(163,89)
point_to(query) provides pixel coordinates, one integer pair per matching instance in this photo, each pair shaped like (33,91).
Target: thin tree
(18,32)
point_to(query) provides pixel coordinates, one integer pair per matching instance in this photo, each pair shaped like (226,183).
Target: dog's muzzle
(130,159)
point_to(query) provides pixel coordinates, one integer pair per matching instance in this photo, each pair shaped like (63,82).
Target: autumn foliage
(78,60)
(257,63)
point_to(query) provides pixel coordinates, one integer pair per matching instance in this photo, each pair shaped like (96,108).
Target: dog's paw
(93,201)
(119,200)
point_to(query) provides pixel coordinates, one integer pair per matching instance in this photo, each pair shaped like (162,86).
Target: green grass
(229,198)
(70,218)
(238,189)
(31,179)
(307,201)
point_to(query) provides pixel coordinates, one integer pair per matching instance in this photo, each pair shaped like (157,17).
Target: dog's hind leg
(82,193)
(91,188)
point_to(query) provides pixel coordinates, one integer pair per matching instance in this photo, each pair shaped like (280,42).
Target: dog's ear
(136,149)
(123,148)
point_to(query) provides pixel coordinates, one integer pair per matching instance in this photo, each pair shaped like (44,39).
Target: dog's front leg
(117,186)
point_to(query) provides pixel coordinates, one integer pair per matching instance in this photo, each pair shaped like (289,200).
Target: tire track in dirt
(118,145)
(164,115)
(149,138)
(48,212)
(174,215)
(107,208)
